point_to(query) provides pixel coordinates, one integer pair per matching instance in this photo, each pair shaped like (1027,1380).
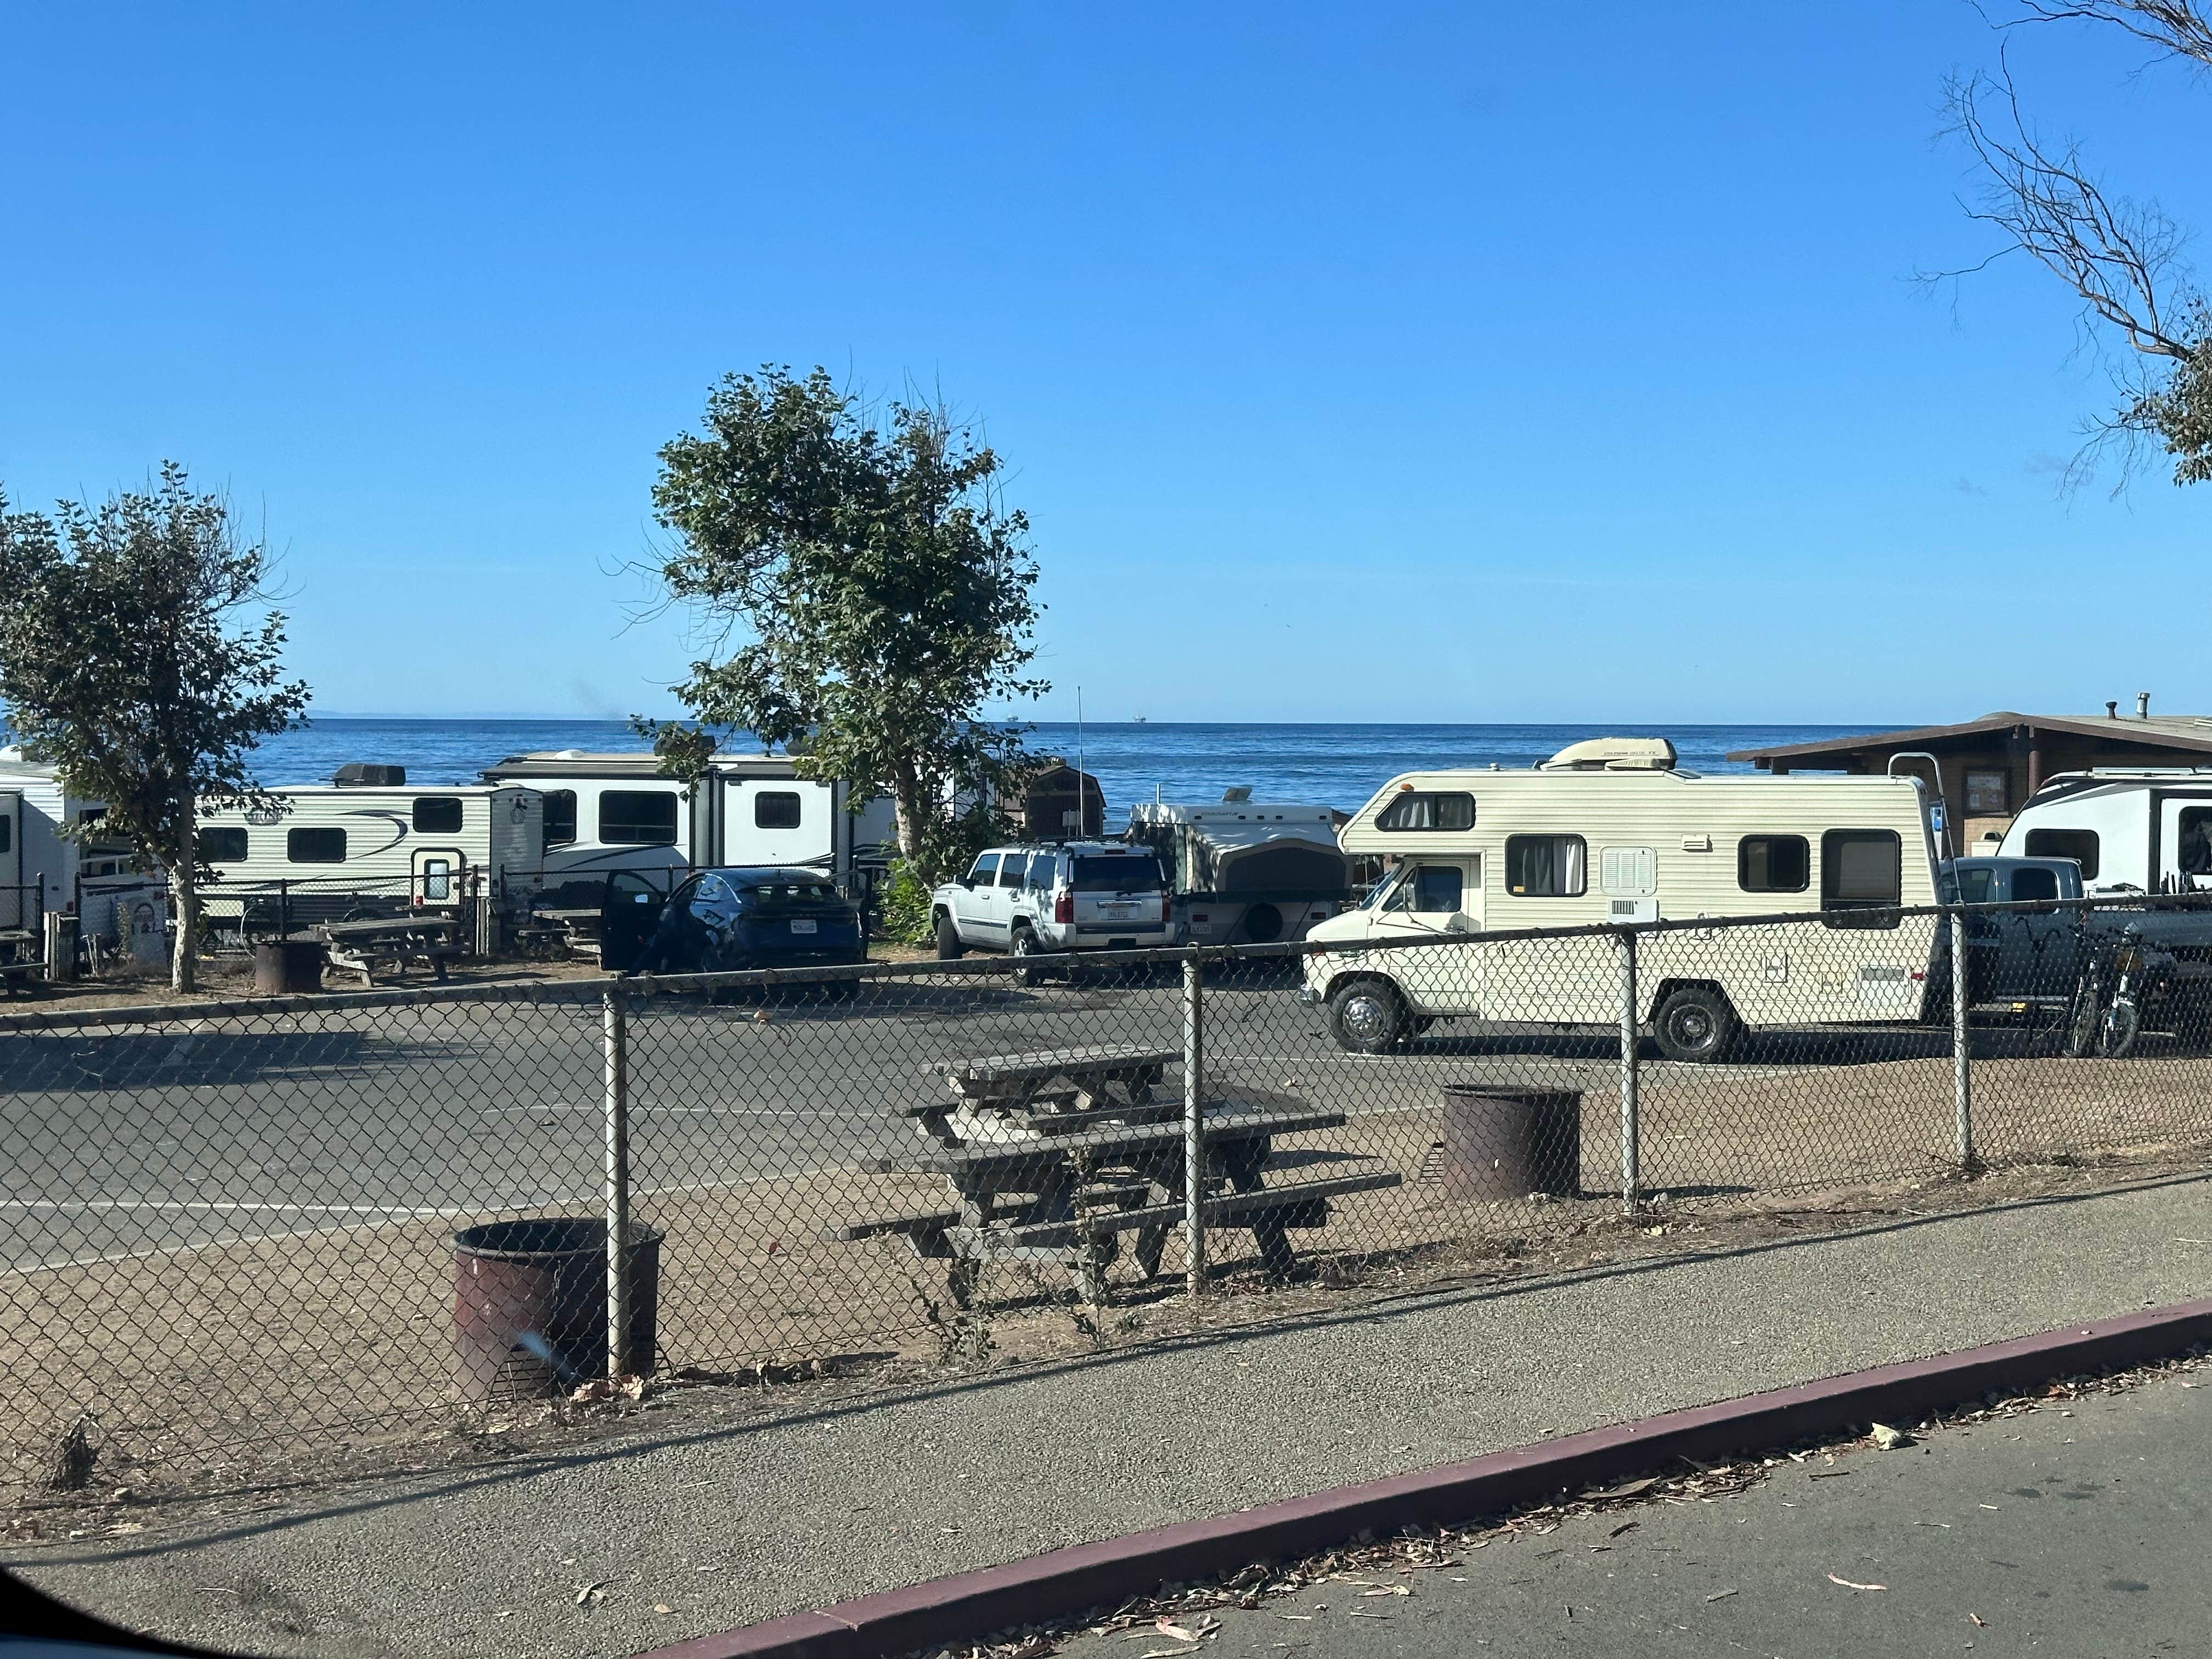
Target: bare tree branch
(2177,27)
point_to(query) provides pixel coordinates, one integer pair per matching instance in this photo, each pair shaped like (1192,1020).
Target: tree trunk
(906,802)
(185,907)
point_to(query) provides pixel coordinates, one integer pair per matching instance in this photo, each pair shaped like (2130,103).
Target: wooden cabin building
(1987,767)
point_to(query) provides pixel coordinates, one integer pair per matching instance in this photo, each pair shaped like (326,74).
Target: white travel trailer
(1245,872)
(366,845)
(2142,830)
(1609,832)
(615,811)
(42,869)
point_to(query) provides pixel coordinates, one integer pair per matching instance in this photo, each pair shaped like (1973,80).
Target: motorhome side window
(315,845)
(2080,845)
(1773,864)
(638,817)
(216,846)
(1862,871)
(560,818)
(7,836)
(1547,866)
(437,815)
(775,809)
(1417,810)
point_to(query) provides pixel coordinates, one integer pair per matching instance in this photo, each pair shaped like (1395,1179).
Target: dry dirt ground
(294,1359)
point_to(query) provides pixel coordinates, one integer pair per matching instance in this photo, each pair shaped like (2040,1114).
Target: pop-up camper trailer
(1245,872)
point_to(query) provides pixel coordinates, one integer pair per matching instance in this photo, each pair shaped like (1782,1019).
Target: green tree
(130,657)
(880,590)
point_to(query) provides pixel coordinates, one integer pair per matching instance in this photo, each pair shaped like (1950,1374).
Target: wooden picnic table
(358,946)
(576,926)
(1049,1181)
(21,958)
(1020,1095)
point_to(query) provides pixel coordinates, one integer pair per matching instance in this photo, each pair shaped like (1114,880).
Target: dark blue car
(722,921)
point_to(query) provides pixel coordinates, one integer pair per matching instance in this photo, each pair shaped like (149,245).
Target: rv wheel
(948,938)
(1366,1016)
(1696,1022)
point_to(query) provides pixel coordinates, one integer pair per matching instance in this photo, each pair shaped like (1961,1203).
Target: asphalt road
(2079,1530)
(126,1140)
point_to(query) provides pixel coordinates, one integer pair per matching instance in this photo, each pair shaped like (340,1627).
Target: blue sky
(1352,363)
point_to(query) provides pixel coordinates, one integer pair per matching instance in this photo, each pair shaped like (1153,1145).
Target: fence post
(1631,1174)
(1962,1080)
(614,1032)
(1194,1128)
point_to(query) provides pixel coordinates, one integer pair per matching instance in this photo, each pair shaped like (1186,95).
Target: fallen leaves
(1889,1439)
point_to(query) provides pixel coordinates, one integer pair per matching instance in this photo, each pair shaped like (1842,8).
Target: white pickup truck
(1032,900)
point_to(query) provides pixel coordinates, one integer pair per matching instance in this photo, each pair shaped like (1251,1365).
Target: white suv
(1074,895)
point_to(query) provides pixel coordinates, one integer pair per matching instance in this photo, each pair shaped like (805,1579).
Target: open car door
(629,913)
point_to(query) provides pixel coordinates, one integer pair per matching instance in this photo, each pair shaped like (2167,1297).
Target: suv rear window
(1114,874)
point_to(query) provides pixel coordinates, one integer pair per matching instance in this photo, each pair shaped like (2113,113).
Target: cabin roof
(2186,734)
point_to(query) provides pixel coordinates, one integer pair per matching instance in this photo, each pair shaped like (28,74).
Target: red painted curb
(1066,1581)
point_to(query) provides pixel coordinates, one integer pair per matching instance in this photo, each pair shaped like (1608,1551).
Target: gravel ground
(572,1552)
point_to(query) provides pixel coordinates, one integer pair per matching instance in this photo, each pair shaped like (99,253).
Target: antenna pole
(1082,789)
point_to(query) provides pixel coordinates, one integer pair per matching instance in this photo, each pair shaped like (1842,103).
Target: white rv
(2132,830)
(1609,830)
(333,851)
(611,811)
(1245,872)
(42,870)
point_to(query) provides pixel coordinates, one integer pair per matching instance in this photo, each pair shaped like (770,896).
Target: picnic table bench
(576,928)
(20,957)
(1060,1175)
(358,946)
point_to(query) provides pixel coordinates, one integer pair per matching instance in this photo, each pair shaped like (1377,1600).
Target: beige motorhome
(1610,831)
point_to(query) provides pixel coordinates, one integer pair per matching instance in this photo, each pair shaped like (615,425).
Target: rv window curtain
(1547,866)
(1417,811)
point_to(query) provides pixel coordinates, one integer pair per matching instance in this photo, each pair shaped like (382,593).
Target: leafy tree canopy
(129,656)
(881,589)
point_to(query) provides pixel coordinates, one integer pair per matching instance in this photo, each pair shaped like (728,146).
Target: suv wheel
(948,938)
(1366,1016)
(1023,947)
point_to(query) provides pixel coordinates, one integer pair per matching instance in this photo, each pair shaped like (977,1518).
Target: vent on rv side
(367,774)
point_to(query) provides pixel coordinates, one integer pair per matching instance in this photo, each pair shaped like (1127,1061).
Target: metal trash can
(284,967)
(529,1305)
(1505,1143)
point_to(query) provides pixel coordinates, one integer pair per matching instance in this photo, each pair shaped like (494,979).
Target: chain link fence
(288,1221)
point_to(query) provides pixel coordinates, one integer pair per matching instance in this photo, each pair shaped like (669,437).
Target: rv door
(438,875)
(2184,842)
(11,861)
(628,915)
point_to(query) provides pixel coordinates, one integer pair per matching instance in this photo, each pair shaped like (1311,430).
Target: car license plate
(802,927)
(1117,911)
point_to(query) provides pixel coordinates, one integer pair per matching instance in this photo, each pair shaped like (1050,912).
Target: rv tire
(1366,1016)
(1695,1023)
(948,938)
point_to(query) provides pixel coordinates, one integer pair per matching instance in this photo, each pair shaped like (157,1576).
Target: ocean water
(1339,766)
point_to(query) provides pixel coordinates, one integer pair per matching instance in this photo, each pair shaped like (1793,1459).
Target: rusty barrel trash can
(529,1305)
(1506,1143)
(284,967)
